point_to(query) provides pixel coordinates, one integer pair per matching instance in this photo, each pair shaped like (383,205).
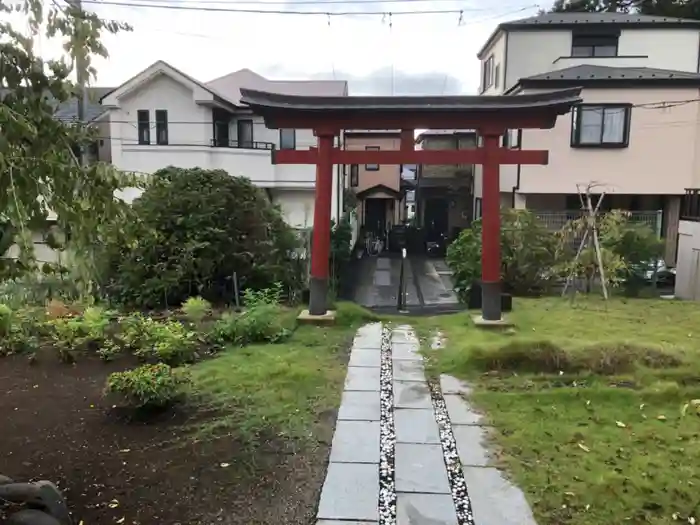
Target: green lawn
(594,405)
(279,388)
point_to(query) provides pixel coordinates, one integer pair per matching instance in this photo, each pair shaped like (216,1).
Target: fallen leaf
(661,417)
(584,447)
(121,520)
(620,424)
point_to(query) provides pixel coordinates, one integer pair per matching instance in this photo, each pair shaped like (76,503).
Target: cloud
(382,81)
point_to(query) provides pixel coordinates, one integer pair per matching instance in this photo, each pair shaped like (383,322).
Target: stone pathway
(408,452)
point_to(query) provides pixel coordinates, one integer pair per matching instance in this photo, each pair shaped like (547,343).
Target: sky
(378,54)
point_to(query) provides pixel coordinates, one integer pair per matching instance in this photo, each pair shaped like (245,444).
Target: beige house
(380,190)
(636,135)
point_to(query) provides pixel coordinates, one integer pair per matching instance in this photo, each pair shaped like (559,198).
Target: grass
(594,405)
(282,388)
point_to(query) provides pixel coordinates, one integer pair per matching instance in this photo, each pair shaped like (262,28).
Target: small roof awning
(378,188)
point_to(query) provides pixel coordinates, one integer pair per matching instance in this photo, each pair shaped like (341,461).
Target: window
(161,126)
(606,126)
(487,74)
(288,139)
(511,139)
(144,126)
(354,175)
(222,122)
(372,167)
(245,133)
(496,74)
(594,45)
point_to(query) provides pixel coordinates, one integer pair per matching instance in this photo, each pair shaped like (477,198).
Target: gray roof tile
(592,72)
(555,19)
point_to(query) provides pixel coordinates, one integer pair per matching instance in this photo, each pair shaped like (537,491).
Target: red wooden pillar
(491,231)
(321,242)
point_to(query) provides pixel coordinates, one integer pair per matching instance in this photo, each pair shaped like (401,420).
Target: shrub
(19,331)
(260,324)
(148,387)
(627,249)
(528,251)
(266,296)
(196,309)
(86,332)
(197,228)
(168,342)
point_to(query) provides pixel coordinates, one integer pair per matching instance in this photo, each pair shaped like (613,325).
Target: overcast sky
(378,54)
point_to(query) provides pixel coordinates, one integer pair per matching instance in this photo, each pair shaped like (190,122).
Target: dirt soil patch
(56,426)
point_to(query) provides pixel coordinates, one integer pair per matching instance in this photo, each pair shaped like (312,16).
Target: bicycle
(373,245)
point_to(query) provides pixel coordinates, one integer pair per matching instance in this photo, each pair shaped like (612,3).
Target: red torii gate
(491,116)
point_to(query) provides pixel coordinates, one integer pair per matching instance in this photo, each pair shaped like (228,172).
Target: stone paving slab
(470,440)
(350,492)
(416,426)
(359,406)
(406,351)
(420,468)
(369,336)
(362,378)
(356,442)
(496,500)
(409,371)
(403,335)
(426,509)
(410,394)
(363,357)
(452,385)
(345,522)
(459,411)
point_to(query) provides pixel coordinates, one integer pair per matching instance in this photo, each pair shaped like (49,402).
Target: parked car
(665,275)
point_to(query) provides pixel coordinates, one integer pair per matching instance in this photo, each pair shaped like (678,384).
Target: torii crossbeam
(491,116)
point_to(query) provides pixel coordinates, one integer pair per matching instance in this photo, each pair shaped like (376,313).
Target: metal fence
(556,220)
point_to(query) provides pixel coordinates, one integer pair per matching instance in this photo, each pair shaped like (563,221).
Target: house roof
(606,76)
(68,109)
(227,88)
(558,21)
(157,68)
(376,189)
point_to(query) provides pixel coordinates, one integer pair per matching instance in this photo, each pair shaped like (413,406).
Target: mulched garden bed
(56,426)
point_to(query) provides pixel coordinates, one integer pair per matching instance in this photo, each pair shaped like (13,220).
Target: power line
(274,11)
(304,2)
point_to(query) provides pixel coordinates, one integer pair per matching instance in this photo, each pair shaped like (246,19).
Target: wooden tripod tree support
(491,116)
(590,233)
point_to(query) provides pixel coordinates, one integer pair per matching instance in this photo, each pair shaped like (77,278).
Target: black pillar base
(318,296)
(491,301)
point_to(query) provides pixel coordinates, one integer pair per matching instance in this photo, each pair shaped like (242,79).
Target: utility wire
(274,11)
(234,3)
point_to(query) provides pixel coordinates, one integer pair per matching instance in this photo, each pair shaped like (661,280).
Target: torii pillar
(321,240)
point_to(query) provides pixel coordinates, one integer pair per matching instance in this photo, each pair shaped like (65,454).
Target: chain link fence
(556,220)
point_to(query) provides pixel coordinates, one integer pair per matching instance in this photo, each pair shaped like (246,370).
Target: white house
(164,117)
(637,133)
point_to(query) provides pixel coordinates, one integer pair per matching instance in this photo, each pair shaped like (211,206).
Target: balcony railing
(215,143)
(690,205)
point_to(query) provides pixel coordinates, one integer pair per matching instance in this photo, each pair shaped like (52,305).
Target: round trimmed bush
(195,229)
